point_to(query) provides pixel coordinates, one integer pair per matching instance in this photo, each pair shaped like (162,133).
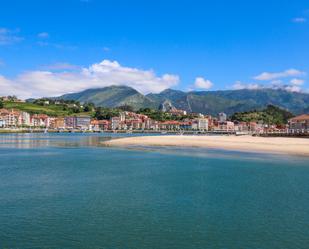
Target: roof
(170,123)
(186,123)
(303,117)
(4,111)
(94,122)
(103,121)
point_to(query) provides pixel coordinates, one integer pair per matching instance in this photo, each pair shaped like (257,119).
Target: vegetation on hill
(111,97)
(163,116)
(105,113)
(206,102)
(270,115)
(231,101)
(50,108)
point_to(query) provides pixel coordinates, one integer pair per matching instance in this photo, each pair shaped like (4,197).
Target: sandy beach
(292,146)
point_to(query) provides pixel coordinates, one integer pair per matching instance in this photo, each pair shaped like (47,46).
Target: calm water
(66,191)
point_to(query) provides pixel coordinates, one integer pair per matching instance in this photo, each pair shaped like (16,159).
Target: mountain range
(207,102)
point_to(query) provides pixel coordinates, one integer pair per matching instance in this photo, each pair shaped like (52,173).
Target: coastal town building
(222,117)
(70,122)
(299,123)
(99,125)
(115,123)
(2,123)
(82,122)
(57,123)
(226,126)
(26,119)
(186,125)
(202,124)
(40,120)
(12,118)
(169,125)
(131,121)
(77,122)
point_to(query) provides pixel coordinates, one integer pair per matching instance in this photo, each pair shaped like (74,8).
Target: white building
(115,123)
(222,117)
(122,116)
(2,123)
(25,119)
(202,124)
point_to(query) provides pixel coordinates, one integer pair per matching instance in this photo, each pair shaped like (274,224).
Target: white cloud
(277,85)
(8,36)
(297,82)
(43,35)
(299,20)
(202,83)
(293,88)
(46,83)
(239,85)
(272,76)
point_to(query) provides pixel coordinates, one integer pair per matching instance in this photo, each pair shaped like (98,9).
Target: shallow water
(67,191)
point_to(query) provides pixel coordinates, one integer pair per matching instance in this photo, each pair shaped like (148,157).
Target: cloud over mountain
(48,83)
(278,75)
(201,83)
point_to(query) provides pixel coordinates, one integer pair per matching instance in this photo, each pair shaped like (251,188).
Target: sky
(52,47)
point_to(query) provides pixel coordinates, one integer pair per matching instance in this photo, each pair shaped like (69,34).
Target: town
(130,121)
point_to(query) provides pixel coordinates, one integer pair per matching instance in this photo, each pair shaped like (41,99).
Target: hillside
(269,115)
(232,101)
(50,110)
(113,96)
(207,102)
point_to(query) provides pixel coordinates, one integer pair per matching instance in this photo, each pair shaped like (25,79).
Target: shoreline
(272,145)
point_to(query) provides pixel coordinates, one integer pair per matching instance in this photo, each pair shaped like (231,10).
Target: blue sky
(51,47)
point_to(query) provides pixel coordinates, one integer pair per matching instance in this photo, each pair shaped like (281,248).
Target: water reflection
(30,141)
(37,140)
(76,140)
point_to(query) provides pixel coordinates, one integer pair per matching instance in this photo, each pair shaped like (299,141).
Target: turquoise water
(66,191)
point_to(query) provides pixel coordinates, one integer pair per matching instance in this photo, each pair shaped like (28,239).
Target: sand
(292,146)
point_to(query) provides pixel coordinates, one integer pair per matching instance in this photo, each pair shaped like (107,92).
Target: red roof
(170,123)
(185,123)
(103,121)
(303,117)
(4,111)
(94,122)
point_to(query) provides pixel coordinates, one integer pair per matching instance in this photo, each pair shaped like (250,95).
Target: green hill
(270,115)
(231,101)
(113,96)
(50,110)
(207,102)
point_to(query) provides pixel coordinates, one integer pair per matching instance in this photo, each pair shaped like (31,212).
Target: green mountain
(207,102)
(112,96)
(231,101)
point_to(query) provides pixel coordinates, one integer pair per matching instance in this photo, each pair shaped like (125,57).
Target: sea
(70,191)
